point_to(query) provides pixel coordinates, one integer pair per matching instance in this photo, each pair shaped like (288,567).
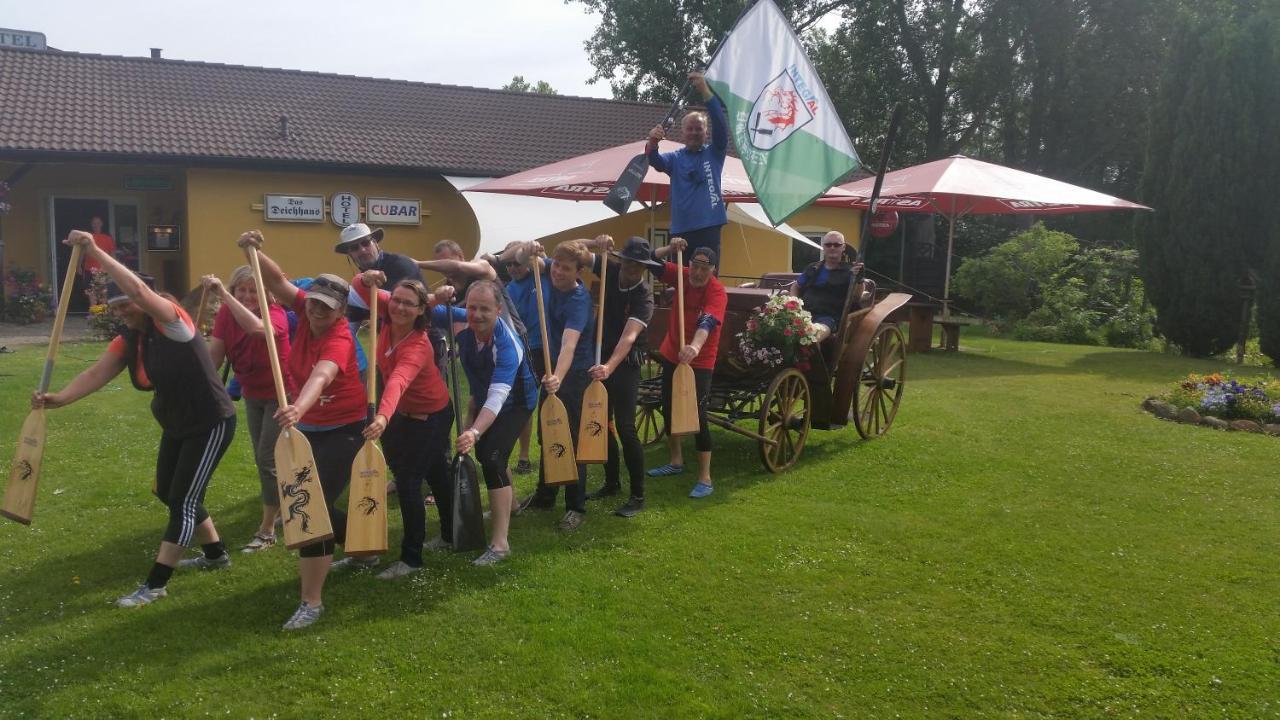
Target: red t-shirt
(104,241)
(710,299)
(343,401)
(411,383)
(249,357)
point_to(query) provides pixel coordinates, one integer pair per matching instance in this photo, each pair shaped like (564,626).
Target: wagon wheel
(651,426)
(784,419)
(879,390)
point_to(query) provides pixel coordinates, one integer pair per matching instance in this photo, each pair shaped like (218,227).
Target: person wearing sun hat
(163,354)
(363,245)
(329,408)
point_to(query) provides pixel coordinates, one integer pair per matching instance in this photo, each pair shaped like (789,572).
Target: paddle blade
(468,516)
(594,428)
(628,184)
(302,506)
(367,503)
(558,464)
(24,475)
(684,402)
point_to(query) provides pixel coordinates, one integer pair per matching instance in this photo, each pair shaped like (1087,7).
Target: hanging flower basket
(779,333)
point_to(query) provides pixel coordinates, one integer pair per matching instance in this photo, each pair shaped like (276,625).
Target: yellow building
(178,158)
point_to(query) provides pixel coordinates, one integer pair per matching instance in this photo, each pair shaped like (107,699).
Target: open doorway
(114,226)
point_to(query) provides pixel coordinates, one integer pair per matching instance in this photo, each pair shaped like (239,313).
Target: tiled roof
(74,103)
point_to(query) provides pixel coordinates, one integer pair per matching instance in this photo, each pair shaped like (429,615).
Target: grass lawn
(1025,542)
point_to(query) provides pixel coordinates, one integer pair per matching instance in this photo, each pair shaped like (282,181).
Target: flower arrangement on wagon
(779,333)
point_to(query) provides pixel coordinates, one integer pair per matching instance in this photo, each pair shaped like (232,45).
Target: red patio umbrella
(589,177)
(959,186)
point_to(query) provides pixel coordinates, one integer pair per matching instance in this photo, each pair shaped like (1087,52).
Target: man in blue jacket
(697,203)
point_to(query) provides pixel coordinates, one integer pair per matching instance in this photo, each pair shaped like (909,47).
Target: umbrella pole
(946,285)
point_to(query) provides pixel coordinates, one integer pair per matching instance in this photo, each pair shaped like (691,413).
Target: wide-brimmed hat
(115,294)
(328,289)
(354,233)
(637,249)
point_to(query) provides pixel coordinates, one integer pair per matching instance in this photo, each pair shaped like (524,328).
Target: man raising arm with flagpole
(697,203)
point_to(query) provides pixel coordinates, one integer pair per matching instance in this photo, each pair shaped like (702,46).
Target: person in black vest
(823,286)
(362,245)
(163,353)
(627,308)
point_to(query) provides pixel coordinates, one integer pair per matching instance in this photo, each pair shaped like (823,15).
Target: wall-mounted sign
(147,182)
(24,39)
(344,209)
(392,211)
(164,238)
(293,208)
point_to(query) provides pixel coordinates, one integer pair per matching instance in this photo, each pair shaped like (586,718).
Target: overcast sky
(480,43)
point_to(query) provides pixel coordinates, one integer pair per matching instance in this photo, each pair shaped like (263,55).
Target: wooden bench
(951,330)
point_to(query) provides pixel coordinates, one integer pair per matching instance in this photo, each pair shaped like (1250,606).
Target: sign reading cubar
(392,211)
(293,208)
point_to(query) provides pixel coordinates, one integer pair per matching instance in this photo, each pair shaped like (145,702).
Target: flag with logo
(785,129)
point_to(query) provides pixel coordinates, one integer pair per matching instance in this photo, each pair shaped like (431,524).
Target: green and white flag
(784,126)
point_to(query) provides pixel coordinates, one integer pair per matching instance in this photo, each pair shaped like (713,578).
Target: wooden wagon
(859,377)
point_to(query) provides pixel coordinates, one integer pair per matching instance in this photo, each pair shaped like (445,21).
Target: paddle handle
(680,298)
(373,332)
(60,318)
(264,310)
(201,307)
(542,316)
(604,274)
(453,366)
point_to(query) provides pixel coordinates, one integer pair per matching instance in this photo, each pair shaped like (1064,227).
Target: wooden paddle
(24,475)
(367,499)
(200,310)
(628,183)
(593,427)
(684,393)
(558,464)
(302,507)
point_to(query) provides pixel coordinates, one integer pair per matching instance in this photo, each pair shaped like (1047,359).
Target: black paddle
(628,183)
(468,516)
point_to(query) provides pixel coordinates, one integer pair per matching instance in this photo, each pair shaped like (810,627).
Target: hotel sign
(392,211)
(344,209)
(22,39)
(293,208)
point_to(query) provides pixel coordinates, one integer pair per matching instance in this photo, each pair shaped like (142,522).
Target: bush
(26,297)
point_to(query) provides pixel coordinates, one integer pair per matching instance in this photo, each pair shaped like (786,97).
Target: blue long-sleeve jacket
(697,200)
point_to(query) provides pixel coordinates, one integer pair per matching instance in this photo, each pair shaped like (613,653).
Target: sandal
(259,542)
(666,470)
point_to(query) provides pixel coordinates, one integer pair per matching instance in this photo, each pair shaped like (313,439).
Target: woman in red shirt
(237,334)
(413,416)
(704,304)
(329,408)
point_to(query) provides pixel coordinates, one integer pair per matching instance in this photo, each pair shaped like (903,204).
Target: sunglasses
(362,243)
(328,284)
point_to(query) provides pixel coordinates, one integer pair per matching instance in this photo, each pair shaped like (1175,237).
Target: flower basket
(779,333)
(26,297)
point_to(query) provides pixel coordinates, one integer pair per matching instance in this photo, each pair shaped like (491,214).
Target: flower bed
(780,332)
(26,297)
(1221,401)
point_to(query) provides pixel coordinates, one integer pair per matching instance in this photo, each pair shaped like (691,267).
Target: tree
(519,84)
(1208,166)
(1009,281)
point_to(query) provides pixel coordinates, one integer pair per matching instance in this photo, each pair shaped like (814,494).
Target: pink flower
(793,305)
(797,322)
(787,332)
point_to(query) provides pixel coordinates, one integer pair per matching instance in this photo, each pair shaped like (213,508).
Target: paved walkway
(75,329)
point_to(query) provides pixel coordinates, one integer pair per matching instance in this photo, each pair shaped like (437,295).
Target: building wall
(220,207)
(813,219)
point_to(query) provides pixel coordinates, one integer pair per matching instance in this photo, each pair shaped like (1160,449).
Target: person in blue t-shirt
(697,199)
(571,335)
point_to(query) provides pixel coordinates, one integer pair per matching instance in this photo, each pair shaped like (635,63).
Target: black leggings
(418,450)
(702,386)
(183,468)
(624,388)
(493,449)
(334,451)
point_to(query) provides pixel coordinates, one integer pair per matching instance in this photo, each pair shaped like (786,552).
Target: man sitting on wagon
(824,285)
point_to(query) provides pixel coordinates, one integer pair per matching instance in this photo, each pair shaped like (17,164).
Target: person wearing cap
(697,200)
(627,308)
(414,415)
(237,335)
(164,354)
(329,408)
(571,333)
(705,301)
(824,285)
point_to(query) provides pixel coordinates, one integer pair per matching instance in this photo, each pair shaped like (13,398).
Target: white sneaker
(351,562)
(397,569)
(142,596)
(302,617)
